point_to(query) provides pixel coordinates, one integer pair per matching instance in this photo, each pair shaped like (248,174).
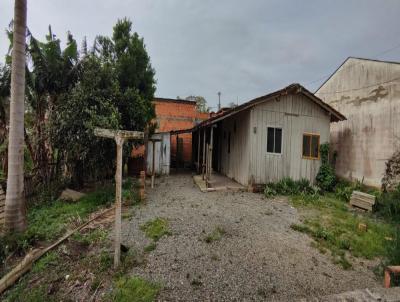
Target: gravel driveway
(258,258)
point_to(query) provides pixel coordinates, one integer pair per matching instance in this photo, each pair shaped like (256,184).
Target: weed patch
(334,227)
(150,247)
(134,289)
(215,235)
(51,258)
(91,237)
(48,221)
(155,229)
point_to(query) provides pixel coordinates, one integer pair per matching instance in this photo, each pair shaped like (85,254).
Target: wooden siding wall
(235,164)
(295,114)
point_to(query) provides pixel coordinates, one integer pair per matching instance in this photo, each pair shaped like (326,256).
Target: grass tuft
(156,228)
(51,258)
(215,235)
(150,247)
(134,289)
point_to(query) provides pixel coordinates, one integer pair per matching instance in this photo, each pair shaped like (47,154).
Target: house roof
(167,100)
(353,58)
(291,89)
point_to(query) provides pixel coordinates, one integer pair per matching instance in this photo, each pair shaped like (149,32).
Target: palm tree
(15,214)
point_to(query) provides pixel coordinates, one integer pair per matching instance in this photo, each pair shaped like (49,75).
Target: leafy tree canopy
(201,103)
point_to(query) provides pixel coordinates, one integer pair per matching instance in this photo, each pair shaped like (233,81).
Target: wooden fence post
(118,188)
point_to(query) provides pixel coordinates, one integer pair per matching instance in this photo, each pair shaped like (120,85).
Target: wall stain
(375,95)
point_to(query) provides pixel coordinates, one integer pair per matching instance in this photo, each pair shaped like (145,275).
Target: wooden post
(205,175)
(118,188)
(177,152)
(203,168)
(142,185)
(119,136)
(211,150)
(198,151)
(153,170)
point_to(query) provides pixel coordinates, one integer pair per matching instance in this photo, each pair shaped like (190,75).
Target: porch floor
(218,182)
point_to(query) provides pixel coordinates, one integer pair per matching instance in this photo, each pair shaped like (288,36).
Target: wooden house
(268,138)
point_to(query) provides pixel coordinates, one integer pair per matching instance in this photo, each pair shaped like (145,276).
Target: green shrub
(393,254)
(288,186)
(388,205)
(326,178)
(269,190)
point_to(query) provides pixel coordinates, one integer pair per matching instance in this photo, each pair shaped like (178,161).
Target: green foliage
(21,293)
(70,93)
(93,236)
(127,54)
(326,178)
(150,247)
(90,104)
(388,205)
(47,222)
(156,228)
(134,289)
(106,261)
(288,186)
(51,258)
(335,228)
(130,191)
(201,103)
(215,235)
(393,254)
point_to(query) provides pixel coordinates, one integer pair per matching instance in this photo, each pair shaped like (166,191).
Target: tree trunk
(15,213)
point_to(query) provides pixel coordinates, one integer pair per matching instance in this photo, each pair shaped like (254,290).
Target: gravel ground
(258,258)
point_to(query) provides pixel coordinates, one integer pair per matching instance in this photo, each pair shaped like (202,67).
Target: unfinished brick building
(173,115)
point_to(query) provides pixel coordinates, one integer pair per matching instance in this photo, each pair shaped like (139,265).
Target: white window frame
(266,145)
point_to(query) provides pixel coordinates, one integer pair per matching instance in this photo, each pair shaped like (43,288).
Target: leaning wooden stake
(26,264)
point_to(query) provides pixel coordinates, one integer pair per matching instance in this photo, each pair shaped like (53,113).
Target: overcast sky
(242,48)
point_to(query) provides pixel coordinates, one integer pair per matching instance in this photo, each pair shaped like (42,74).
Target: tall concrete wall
(367,92)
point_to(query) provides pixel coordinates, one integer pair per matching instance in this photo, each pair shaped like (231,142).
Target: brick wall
(178,115)
(172,115)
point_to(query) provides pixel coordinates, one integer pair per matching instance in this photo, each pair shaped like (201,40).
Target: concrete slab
(362,295)
(218,182)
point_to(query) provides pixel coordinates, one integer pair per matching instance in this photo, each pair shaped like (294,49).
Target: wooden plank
(371,201)
(360,204)
(364,194)
(124,134)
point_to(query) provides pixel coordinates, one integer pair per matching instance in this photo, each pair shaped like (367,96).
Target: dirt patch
(257,256)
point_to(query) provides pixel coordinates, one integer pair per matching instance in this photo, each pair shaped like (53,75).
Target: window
(311,146)
(274,140)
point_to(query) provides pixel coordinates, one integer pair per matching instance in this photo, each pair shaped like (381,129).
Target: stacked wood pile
(362,200)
